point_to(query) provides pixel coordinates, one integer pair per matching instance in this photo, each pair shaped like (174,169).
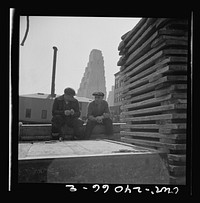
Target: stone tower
(94,77)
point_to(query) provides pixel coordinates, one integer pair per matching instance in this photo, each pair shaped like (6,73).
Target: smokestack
(53,72)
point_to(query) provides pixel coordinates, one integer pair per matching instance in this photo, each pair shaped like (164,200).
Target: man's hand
(67,112)
(99,119)
(92,118)
(106,115)
(72,111)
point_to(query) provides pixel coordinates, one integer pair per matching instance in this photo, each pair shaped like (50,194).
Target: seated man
(66,111)
(98,113)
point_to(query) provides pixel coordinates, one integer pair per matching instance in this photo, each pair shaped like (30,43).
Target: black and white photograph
(103,103)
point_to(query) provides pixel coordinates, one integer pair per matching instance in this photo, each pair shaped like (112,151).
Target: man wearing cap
(98,113)
(66,111)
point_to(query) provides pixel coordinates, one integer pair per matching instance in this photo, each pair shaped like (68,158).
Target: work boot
(60,139)
(74,138)
(55,136)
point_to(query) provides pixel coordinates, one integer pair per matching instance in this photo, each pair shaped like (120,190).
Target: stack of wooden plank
(153,62)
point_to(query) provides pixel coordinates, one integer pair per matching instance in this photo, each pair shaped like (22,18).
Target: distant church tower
(94,77)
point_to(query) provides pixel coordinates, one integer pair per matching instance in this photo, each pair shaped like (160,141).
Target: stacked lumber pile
(154,70)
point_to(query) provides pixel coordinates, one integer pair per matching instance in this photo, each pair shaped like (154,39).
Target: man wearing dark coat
(66,111)
(98,113)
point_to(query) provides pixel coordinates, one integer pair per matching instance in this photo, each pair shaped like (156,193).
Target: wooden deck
(49,149)
(90,161)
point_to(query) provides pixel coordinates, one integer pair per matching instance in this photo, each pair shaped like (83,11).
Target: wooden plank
(174,136)
(175,101)
(158,67)
(156,109)
(145,143)
(154,143)
(142,44)
(127,68)
(137,68)
(157,117)
(122,60)
(169,22)
(162,21)
(175,146)
(145,88)
(145,79)
(127,36)
(167,121)
(175,78)
(133,36)
(171,98)
(171,51)
(172,32)
(142,32)
(173,141)
(145,72)
(130,60)
(169,40)
(163,45)
(174,68)
(176,98)
(171,74)
(170,131)
(165,69)
(152,85)
(178,24)
(147,95)
(173,126)
(182,37)
(178,180)
(134,30)
(142,134)
(148,102)
(177,170)
(155,126)
(141,126)
(121,47)
(173,59)
(170,89)
(177,158)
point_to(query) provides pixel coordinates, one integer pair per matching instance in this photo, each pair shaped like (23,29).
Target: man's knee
(109,126)
(57,122)
(107,121)
(91,123)
(57,119)
(77,122)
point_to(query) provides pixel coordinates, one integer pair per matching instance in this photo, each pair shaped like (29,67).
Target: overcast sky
(74,37)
